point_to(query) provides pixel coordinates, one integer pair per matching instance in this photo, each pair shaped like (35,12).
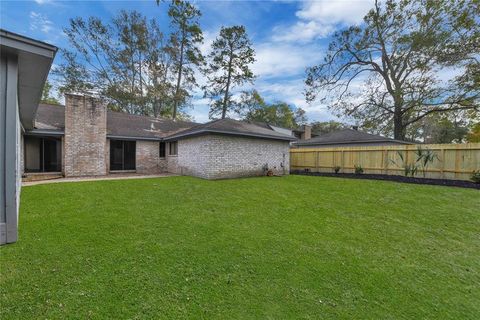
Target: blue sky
(288,36)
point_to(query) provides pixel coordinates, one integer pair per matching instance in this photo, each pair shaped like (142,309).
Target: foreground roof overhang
(226,132)
(34,61)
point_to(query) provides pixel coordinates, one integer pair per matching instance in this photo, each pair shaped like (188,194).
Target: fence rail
(452,161)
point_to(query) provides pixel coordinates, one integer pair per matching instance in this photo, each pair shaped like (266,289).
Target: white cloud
(199,110)
(318,19)
(43,1)
(291,92)
(40,22)
(333,12)
(301,31)
(283,60)
(208,38)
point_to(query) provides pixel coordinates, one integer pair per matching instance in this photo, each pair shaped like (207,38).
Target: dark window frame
(173,148)
(127,160)
(50,160)
(162,151)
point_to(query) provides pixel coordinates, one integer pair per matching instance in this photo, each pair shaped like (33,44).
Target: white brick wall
(147,157)
(222,156)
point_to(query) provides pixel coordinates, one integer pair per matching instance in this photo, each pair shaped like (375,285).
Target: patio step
(28,177)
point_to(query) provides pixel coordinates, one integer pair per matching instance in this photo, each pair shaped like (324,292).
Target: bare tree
(397,54)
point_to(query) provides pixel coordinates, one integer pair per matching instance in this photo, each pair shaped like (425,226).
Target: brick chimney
(307,132)
(85,145)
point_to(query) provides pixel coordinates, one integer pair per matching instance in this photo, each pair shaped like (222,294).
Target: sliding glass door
(42,154)
(122,155)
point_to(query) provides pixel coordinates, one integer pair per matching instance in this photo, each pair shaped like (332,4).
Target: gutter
(45,132)
(210,131)
(110,136)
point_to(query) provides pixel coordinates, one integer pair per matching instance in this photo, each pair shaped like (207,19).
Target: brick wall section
(172,164)
(85,136)
(222,156)
(148,159)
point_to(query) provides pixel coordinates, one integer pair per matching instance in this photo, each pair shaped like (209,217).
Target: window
(162,150)
(122,155)
(173,148)
(42,154)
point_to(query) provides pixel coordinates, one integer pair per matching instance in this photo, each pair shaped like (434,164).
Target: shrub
(336,169)
(425,157)
(410,169)
(358,169)
(476,176)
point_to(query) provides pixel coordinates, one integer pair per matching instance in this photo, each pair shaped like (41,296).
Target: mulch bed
(438,182)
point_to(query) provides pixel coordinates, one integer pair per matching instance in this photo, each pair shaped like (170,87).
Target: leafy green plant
(425,157)
(358,169)
(475,176)
(409,169)
(336,169)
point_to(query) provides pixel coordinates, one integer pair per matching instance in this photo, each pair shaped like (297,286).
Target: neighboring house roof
(50,119)
(232,127)
(34,61)
(347,136)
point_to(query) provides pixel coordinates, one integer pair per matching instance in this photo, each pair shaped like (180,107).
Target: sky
(288,36)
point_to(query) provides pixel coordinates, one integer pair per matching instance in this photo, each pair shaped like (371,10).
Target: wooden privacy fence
(452,161)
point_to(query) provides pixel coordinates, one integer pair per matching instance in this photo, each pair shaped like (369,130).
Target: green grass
(278,248)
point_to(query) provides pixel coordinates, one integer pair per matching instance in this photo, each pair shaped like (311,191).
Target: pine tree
(185,41)
(228,67)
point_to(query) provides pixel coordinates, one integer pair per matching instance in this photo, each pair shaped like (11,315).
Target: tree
(185,39)
(228,67)
(278,114)
(300,117)
(72,75)
(397,54)
(46,94)
(126,61)
(474,134)
(320,128)
(439,128)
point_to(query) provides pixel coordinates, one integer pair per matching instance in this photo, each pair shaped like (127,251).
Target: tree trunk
(399,129)
(179,79)
(225,98)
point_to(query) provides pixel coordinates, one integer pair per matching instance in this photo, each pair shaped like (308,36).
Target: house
(25,64)
(84,138)
(303,132)
(347,138)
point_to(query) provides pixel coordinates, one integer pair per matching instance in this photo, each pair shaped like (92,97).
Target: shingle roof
(232,127)
(52,117)
(345,136)
(129,125)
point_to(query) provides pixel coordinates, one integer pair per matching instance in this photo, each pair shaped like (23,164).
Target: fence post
(317,160)
(385,161)
(442,168)
(341,162)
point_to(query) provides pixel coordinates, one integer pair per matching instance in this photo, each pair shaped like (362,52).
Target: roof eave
(45,132)
(124,137)
(211,131)
(34,60)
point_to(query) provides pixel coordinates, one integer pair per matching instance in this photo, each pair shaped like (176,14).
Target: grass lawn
(278,248)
